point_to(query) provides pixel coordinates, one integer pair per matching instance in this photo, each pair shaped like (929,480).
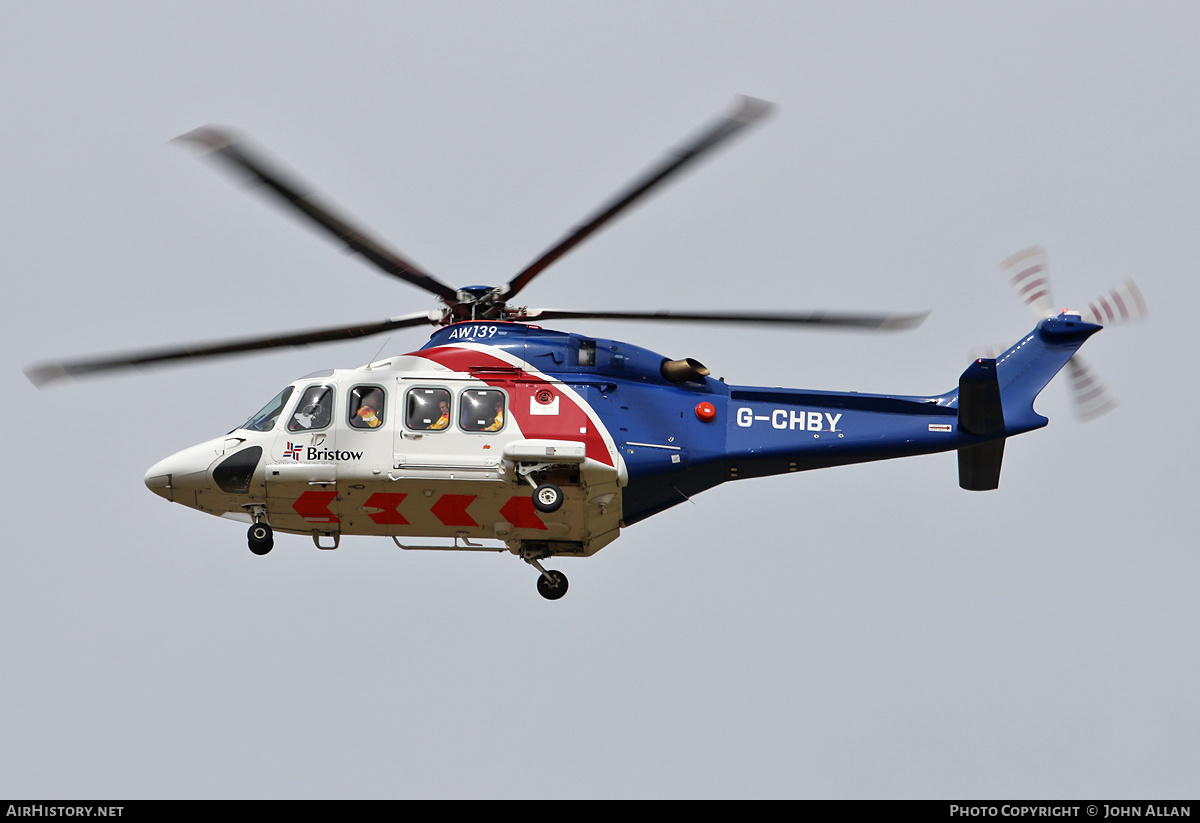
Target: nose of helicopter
(185,471)
(159,481)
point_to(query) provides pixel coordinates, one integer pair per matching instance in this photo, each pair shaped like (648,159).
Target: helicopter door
(302,468)
(306,432)
(432,434)
(363,439)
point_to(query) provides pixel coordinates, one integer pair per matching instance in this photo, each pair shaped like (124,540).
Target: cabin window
(428,410)
(366,407)
(314,411)
(482,410)
(265,419)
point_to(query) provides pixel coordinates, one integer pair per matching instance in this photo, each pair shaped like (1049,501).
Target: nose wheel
(260,538)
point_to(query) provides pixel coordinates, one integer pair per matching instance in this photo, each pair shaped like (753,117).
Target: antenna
(376,357)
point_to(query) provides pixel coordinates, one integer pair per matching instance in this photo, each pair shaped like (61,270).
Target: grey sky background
(867,631)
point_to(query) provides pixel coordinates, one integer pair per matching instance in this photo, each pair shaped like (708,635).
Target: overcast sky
(866,631)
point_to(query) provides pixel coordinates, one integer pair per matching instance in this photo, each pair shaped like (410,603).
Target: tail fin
(1025,369)
(980,413)
(995,397)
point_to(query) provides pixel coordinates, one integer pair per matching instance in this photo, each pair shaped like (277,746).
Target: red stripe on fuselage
(572,421)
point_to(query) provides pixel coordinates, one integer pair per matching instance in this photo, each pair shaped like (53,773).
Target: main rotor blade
(42,373)
(295,194)
(880,322)
(747,111)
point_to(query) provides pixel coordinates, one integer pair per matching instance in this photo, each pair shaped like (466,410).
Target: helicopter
(500,434)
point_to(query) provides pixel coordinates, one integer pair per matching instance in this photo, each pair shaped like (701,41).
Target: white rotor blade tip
(1120,304)
(1027,274)
(1090,397)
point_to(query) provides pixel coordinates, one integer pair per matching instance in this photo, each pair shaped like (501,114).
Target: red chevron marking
(520,512)
(451,509)
(314,507)
(389,502)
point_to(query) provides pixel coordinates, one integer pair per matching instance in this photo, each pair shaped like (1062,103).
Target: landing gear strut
(547,497)
(552,584)
(261,538)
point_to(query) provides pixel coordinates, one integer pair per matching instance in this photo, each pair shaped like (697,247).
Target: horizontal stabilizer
(979,408)
(979,466)
(980,413)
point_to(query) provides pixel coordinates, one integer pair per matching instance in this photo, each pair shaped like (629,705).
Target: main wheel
(552,585)
(260,538)
(547,498)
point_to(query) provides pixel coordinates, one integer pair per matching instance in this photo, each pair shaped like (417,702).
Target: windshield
(266,417)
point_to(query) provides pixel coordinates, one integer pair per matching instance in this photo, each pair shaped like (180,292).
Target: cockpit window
(482,410)
(366,407)
(428,409)
(314,411)
(266,417)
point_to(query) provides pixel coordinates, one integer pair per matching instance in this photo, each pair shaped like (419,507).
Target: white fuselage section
(441,443)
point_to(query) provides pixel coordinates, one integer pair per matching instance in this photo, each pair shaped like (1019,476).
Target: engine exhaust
(681,371)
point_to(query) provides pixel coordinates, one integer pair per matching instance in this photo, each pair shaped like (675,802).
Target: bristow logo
(294,451)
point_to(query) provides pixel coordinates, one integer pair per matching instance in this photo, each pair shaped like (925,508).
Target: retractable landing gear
(547,498)
(261,538)
(552,584)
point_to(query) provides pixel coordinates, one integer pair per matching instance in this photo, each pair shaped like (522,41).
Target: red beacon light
(706,411)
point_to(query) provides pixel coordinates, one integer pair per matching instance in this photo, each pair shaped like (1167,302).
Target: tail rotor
(1029,276)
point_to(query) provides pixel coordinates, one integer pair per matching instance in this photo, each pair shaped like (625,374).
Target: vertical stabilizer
(995,397)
